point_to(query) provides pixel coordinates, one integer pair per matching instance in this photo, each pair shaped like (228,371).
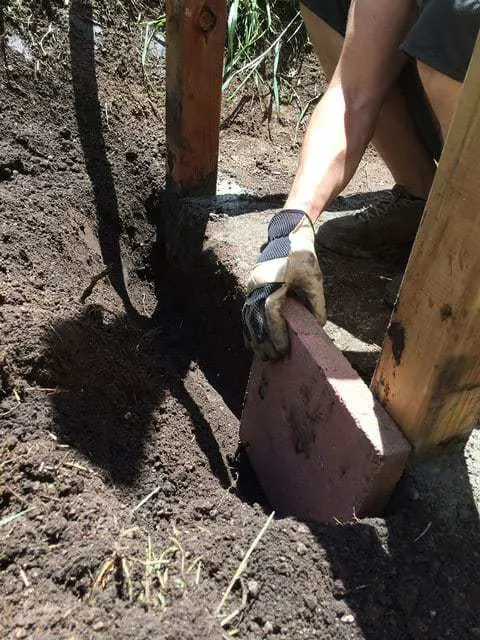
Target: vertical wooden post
(428,377)
(195,48)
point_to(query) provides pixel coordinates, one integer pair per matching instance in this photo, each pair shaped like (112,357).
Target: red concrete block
(322,447)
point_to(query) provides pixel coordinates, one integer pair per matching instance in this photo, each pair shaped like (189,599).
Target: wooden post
(428,377)
(195,48)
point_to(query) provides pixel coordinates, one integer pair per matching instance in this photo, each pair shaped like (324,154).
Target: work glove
(286,265)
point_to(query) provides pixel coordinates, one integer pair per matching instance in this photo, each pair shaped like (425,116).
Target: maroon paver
(322,447)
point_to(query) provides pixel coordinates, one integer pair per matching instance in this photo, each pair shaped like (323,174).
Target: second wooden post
(428,377)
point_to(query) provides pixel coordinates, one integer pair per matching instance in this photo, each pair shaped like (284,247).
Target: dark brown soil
(103,403)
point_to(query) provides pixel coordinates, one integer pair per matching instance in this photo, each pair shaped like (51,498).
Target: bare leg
(395,137)
(443,93)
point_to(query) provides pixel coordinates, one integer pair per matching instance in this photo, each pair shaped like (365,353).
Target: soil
(132,507)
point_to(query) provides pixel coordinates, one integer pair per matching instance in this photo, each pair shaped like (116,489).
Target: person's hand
(287,264)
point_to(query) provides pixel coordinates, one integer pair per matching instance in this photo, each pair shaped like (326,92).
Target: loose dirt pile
(125,508)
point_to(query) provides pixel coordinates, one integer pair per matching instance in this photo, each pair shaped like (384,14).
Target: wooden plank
(428,377)
(195,49)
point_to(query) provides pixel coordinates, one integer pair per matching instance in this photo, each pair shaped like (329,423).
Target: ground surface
(101,409)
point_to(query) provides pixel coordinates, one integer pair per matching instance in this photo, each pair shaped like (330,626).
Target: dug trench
(126,509)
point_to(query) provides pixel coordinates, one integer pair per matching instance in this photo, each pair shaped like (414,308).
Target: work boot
(388,225)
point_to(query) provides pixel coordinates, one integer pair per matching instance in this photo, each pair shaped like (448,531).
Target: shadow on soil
(89,119)
(110,376)
(354,287)
(416,574)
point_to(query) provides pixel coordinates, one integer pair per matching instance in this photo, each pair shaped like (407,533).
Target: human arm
(339,131)
(344,120)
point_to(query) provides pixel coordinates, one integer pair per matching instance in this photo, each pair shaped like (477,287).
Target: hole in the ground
(213,333)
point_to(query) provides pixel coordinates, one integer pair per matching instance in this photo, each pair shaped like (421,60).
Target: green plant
(265,40)
(151,29)
(264,45)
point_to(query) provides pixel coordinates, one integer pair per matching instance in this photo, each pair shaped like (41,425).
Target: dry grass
(34,24)
(163,575)
(43,26)
(226,620)
(154,580)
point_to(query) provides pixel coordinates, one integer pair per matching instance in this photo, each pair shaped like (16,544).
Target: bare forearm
(344,120)
(337,136)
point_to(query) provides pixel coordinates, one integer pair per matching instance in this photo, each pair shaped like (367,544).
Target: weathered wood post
(428,377)
(195,48)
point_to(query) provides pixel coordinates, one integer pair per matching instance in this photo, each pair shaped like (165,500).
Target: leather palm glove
(286,265)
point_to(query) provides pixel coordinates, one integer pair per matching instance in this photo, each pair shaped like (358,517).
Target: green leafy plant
(152,28)
(265,42)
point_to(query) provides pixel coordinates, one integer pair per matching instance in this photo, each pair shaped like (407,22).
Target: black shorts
(443,37)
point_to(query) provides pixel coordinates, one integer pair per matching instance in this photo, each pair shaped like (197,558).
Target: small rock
(204,506)
(10,442)
(347,618)
(268,627)
(253,588)
(70,486)
(340,608)
(98,626)
(301,549)
(169,489)
(237,551)
(55,528)
(338,589)
(310,602)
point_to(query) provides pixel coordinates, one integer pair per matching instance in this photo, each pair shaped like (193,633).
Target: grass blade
(253,65)
(232,26)
(243,564)
(13,516)
(276,93)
